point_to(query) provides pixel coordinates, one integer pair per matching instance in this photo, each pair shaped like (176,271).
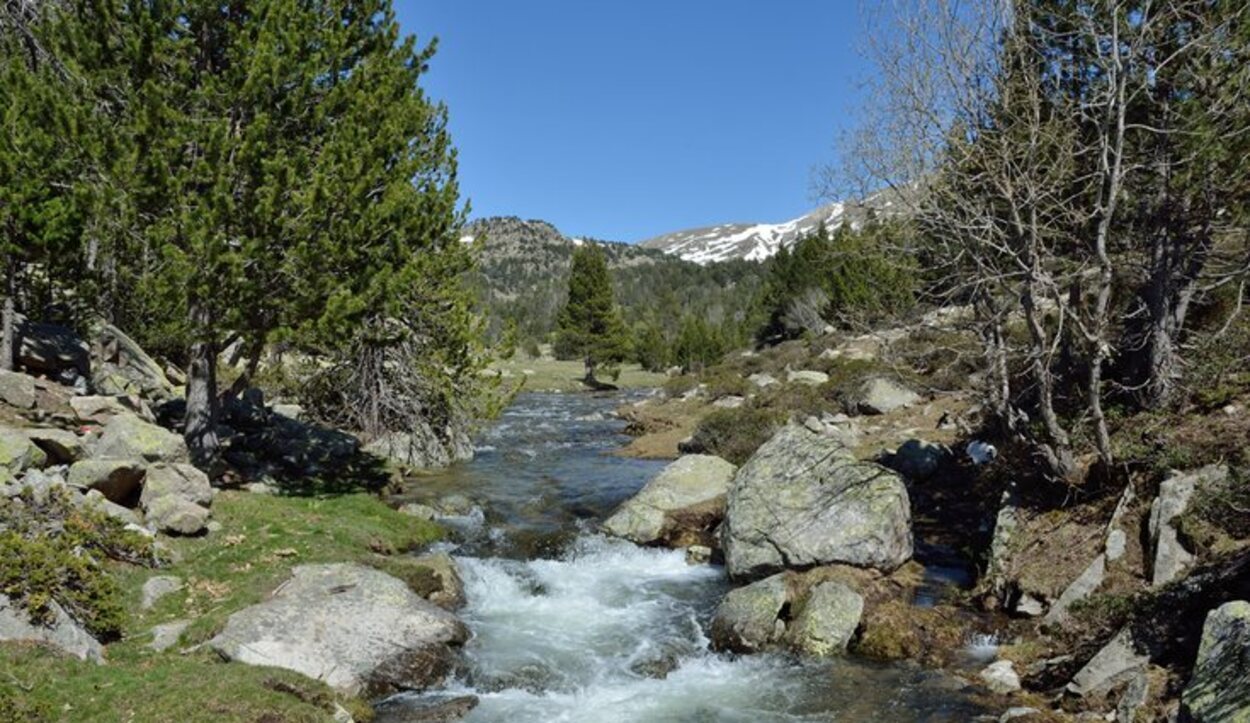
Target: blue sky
(623,120)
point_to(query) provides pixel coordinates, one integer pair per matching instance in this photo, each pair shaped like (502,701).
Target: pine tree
(590,325)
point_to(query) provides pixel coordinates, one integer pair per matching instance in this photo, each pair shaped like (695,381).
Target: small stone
(419,511)
(698,555)
(1017,712)
(1029,606)
(1000,677)
(158,587)
(213,526)
(807,376)
(165,635)
(261,488)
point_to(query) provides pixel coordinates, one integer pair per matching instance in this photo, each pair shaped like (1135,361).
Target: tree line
(205,174)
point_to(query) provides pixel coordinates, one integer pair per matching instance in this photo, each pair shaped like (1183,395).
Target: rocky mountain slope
(759,241)
(523,266)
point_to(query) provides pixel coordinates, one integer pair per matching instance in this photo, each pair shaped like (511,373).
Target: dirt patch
(659,427)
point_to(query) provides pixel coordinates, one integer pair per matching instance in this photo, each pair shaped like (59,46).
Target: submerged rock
(359,630)
(802,500)
(679,506)
(1220,687)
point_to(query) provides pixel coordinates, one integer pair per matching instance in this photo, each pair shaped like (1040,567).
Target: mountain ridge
(760,241)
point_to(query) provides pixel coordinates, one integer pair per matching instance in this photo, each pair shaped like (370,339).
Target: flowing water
(571,626)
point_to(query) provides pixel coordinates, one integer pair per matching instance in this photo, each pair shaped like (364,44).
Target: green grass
(262,538)
(549,375)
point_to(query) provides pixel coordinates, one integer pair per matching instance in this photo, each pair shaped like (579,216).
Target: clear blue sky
(623,120)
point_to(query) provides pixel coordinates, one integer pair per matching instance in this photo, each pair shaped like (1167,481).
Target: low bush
(53,552)
(735,434)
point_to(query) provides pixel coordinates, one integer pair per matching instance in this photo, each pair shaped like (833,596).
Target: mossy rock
(18,453)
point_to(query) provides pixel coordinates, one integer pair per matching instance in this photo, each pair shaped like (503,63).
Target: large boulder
(119,480)
(423,448)
(1118,662)
(62,446)
(62,632)
(18,453)
(175,515)
(176,498)
(53,350)
(17,390)
(1220,687)
(827,621)
(121,367)
(882,396)
(128,437)
(803,500)
(181,480)
(750,618)
(100,409)
(1170,556)
(359,630)
(679,506)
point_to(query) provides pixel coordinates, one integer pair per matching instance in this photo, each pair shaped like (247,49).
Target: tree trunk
(8,343)
(201,420)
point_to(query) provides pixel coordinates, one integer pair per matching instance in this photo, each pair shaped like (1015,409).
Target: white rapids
(571,626)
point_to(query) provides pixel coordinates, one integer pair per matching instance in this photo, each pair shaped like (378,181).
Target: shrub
(52,551)
(735,434)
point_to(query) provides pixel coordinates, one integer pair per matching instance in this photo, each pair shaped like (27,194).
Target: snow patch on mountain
(753,242)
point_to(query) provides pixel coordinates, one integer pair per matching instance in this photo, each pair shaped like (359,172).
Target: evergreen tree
(590,325)
(259,171)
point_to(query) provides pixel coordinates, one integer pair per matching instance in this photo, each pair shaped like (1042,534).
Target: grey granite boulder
(17,390)
(359,630)
(1220,687)
(18,453)
(118,480)
(686,499)
(1170,556)
(749,619)
(128,437)
(802,500)
(181,480)
(827,621)
(62,633)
